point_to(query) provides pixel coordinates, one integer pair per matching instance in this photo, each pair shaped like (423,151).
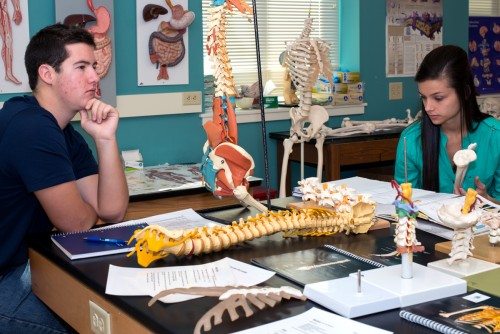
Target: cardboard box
(270,102)
(347,77)
(340,99)
(355,98)
(355,88)
(340,88)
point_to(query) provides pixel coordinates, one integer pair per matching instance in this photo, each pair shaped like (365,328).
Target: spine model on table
(155,242)
(225,166)
(492,220)
(405,235)
(461,219)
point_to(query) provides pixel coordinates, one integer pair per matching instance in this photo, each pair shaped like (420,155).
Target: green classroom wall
(180,138)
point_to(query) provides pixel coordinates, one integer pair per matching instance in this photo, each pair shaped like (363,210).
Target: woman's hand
(480,188)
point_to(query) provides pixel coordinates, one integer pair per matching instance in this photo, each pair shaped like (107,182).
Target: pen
(107,240)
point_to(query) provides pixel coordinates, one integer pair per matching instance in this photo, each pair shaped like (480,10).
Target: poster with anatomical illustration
(162,42)
(484,53)
(14,37)
(97,17)
(413,29)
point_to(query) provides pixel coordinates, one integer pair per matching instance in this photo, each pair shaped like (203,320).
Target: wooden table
(67,286)
(341,151)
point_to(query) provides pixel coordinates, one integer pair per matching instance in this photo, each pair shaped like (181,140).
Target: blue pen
(111,241)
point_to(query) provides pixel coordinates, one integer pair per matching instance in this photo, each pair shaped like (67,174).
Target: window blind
(278,22)
(484,7)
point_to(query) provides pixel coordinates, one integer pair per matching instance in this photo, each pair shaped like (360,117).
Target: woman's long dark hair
(451,63)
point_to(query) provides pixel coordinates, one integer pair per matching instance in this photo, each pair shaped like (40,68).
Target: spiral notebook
(316,264)
(75,246)
(469,313)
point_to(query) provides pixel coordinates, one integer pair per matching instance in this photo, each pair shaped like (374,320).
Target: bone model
(405,235)
(305,59)
(155,242)
(328,195)
(225,165)
(462,159)
(491,218)
(232,298)
(461,218)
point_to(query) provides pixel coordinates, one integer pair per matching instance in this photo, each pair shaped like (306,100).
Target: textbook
(473,312)
(75,246)
(105,240)
(318,264)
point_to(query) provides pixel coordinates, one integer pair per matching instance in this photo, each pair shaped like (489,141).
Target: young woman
(451,121)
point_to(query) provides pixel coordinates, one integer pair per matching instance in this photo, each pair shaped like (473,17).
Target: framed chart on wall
(14,37)
(162,42)
(97,17)
(413,29)
(484,53)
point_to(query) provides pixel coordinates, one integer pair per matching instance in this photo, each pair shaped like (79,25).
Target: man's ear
(46,73)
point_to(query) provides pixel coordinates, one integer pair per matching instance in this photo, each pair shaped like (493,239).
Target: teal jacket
(486,166)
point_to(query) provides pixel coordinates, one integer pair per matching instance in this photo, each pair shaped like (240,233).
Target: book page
(150,281)
(315,320)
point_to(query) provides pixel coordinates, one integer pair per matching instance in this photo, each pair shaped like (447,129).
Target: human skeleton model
(349,127)
(305,59)
(406,238)
(461,218)
(155,242)
(225,165)
(232,298)
(6,36)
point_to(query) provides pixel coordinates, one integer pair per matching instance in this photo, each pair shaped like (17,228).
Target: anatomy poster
(97,17)
(162,42)
(413,29)
(484,53)
(14,37)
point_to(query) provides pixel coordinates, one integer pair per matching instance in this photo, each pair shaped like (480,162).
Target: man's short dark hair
(48,46)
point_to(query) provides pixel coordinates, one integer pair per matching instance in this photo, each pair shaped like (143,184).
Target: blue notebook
(75,246)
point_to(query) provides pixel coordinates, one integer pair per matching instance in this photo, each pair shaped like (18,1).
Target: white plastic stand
(341,296)
(427,284)
(383,289)
(464,268)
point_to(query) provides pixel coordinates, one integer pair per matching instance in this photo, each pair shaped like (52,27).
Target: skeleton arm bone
(462,159)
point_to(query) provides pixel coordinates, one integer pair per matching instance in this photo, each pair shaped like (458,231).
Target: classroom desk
(341,151)
(67,286)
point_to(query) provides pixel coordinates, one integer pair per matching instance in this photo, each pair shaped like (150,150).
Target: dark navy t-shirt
(35,153)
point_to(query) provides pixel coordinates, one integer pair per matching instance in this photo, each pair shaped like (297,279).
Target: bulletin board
(484,53)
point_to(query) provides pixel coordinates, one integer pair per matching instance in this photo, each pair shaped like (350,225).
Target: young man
(48,176)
